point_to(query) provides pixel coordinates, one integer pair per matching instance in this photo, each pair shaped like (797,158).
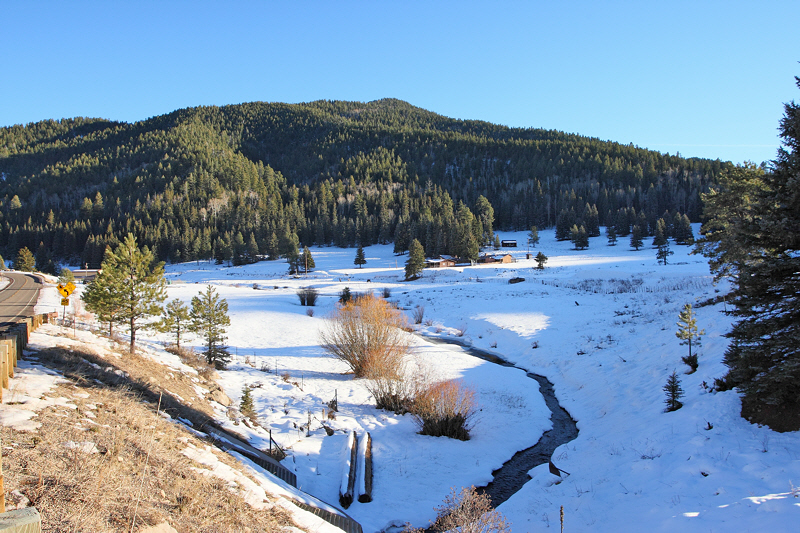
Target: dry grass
(138,469)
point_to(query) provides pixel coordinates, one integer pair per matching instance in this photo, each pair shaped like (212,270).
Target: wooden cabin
(496,258)
(439,262)
(508,243)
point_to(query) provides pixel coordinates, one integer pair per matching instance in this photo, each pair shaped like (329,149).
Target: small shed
(508,243)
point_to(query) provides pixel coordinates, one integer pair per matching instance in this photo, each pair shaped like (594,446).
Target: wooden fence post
(3,368)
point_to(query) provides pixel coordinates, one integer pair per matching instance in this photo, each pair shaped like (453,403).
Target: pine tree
(25,261)
(209,319)
(252,249)
(674,392)
(290,252)
(306,261)
(100,297)
(660,237)
(611,234)
(345,296)
(65,276)
(637,240)
(416,260)
(273,250)
(175,320)
(764,355)
(246,406)
(688,332)
(730,211)
(533,236)
(663,252)
(44,260)
(239,250)
(132,278)
(683,229)
(541,259)
(579,237)
(360,259)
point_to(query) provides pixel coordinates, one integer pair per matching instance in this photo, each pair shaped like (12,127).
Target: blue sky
(706,79)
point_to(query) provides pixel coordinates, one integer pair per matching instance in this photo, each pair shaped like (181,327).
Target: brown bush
(467,511)
(396,388)
(445,409)
(366,334)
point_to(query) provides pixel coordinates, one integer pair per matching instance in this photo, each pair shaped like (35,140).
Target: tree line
(239,183)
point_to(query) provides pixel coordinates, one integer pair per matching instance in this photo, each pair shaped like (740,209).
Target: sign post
(65,291)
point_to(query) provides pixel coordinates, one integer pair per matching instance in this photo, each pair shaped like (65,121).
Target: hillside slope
(209,181)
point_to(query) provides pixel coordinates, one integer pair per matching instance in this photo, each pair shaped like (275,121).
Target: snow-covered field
(599,324)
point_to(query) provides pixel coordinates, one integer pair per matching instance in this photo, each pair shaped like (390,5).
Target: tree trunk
(133,337)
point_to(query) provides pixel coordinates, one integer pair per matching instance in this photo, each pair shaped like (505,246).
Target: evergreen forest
(260,180)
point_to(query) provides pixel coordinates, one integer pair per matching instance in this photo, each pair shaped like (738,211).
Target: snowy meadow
(598,323)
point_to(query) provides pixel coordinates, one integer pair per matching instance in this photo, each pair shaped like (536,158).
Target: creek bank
(510,477)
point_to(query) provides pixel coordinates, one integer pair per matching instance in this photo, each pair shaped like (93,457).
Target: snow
(599,324)
(28,393)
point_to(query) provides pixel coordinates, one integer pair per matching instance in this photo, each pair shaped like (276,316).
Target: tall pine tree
(761,250)
(360,259)
(134,283)
(416,260)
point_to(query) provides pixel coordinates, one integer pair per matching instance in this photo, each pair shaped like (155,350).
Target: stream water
(510,477)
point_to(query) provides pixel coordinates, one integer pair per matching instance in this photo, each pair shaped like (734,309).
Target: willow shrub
(445,409)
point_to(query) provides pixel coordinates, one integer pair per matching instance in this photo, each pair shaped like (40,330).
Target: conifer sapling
(674,392)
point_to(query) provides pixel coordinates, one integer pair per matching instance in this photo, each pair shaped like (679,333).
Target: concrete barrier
(25,520)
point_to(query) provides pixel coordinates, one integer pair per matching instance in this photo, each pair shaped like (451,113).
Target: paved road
(19,297)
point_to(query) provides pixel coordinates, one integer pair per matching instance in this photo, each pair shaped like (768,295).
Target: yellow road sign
(66,290)
(64,301)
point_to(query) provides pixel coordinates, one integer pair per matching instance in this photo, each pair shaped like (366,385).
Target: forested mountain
(257,179)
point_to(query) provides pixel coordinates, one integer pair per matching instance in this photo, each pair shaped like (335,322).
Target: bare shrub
(308,296)
(395,388)
(366,334)
(309,312)
(445,409)
(462,329)
(418,314)
(467,511)
(387,292)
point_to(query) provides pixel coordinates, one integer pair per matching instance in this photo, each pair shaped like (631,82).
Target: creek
(510,477)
